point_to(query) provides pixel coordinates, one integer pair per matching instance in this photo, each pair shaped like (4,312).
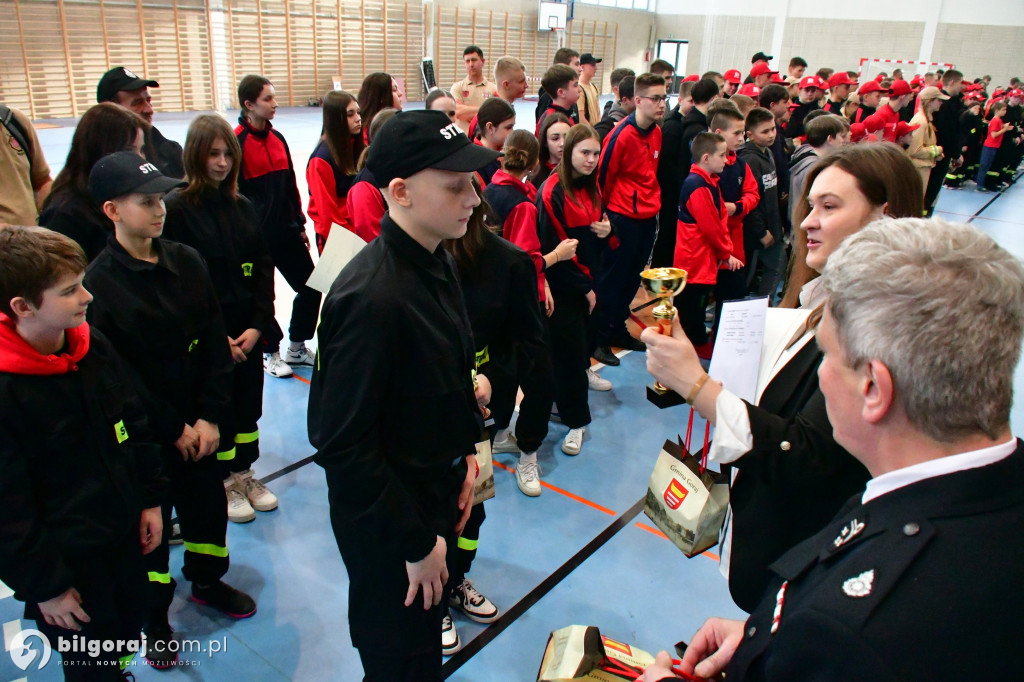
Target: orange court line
(568,494)
(655,531)
(302,379)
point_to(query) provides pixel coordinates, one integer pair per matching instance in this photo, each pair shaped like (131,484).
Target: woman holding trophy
(790,475)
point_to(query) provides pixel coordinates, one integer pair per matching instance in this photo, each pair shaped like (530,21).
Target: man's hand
(730,208)
(209,438)
(429,573)
(247,340)
(151,529)
(712,647)
(591,301)
(466,494)
(767,240)
(187,443)
(63,610)
(237,354)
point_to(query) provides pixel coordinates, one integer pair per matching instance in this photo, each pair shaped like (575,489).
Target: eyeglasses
(657,99)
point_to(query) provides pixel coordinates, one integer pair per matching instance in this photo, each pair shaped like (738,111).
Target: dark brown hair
(542,134)
(104,129)
(567,177)
(705,143)
(521,151)
(376,124)
(557,77)
(249,89)
(466,249)
(33,259)
(375,94)
(341,143)
(203,132)
(495,111)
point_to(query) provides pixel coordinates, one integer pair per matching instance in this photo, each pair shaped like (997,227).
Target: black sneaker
(629,343)
(159,638)
(605,355)
(225,599)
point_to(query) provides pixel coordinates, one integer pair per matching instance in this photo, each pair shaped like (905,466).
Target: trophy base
(664,397)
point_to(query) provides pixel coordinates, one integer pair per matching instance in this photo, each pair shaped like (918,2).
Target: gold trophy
(664,284)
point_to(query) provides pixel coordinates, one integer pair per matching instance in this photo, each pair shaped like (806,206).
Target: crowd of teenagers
(500,264)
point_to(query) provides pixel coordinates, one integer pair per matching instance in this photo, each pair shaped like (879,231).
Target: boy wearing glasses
(628,178)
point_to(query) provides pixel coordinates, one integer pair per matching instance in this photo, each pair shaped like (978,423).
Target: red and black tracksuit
(328,193)
(165,321)
(571,325)
(702,243)
(225,232)
(738,186)
(863,112)
(571,114)
(365,206)
(78,464)
(519,355)
(267,179)
(628,178)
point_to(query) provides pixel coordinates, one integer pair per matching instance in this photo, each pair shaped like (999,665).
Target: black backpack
(16,131)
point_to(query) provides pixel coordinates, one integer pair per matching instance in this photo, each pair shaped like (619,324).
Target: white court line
(11,628)
(5,591)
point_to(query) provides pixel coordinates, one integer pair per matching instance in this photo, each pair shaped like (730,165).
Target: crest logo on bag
(675,493)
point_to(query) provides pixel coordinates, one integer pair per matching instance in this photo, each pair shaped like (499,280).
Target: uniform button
(785,446)
(911,529)
(751,631)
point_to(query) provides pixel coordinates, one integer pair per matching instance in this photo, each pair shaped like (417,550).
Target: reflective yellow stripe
(247,437)
(120,432)
(206,548)
(164,578)
(483,357)
(467,544)
(226,455)
(124,661)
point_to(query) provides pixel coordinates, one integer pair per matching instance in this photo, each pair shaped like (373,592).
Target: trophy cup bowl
(664,284)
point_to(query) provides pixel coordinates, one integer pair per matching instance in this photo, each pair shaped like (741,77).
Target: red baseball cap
(812,82)
(857,132)
(840,78)
(750,90)
(1016,92)
(777,78)
(917,81)
(761,69)
(893,133)
(870,86)
(733,76)
(691,78)
(900,88)
(879,78)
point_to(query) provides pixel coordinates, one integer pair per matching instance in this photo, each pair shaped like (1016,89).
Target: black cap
(124,173)
(761,56)
(117,79)
(587,58)
(412,141)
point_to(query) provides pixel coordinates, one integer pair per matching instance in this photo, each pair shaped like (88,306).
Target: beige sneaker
(239,509)
(257,494)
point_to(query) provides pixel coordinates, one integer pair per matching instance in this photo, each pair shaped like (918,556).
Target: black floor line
(977,214)
(288,469)
(536,594)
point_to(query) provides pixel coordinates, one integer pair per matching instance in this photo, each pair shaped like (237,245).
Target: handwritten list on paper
(737,357)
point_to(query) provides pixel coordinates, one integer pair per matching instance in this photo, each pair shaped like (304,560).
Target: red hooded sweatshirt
(18,357)
(514,204)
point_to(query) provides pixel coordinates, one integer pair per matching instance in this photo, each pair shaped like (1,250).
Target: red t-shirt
(995,125)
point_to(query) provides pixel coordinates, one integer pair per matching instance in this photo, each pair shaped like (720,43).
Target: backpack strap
(17,132)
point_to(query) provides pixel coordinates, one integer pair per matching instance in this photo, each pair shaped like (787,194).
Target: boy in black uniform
(156,303)
(79,472)
(395,347)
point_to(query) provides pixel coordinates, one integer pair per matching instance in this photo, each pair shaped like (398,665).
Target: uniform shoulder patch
(859,585)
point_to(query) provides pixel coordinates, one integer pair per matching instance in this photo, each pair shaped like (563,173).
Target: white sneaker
(528,476)
(450,643)
(505,441)
(573,441)
(275,366)
(255,492)
(597,382)
(302,357)
(239,509)
(467,598)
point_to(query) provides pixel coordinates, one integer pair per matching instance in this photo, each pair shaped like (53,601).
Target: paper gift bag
(580,652)
(484,489)
(686,500)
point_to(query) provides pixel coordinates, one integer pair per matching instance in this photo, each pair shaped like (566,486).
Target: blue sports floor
(579,554)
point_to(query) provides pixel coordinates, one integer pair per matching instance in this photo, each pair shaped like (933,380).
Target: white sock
(295,346)
(525,457)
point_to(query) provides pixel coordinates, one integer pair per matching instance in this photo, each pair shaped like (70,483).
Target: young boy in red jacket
(628,178)
(741,196)
(563,82)
(702,237)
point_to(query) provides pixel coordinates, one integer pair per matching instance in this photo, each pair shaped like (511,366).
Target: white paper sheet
(737,357)
(341,247)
